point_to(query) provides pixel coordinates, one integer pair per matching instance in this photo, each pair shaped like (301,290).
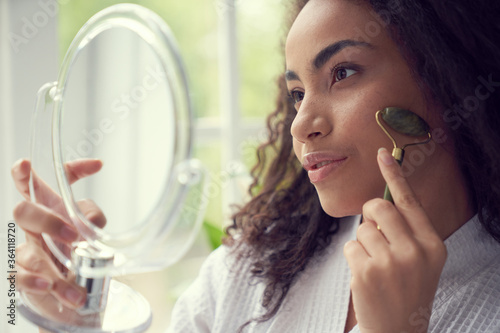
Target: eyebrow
(324,55)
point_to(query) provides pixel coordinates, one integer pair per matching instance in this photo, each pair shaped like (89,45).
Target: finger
(75,170)
(81,168)
(372,240)
(36,241)
(34,283)
(355,255)
(45,194)
(404,198)
(92,212)
(385,215)
(34,259)
(36,268)
(21,174)
(37,219)
(70,294)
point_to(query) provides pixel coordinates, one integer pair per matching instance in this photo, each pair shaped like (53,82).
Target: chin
(348,203)
(340,207)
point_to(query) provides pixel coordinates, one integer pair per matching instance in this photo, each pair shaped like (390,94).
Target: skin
(336,97)
(38,272)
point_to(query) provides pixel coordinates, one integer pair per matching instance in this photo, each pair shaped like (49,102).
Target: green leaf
(214,234)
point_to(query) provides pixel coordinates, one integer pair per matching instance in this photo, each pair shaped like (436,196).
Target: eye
(297,96)
(341,73)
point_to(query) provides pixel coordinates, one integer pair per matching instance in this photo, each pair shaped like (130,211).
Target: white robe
(224,296)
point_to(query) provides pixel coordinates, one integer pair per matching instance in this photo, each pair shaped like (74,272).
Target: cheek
(297,149)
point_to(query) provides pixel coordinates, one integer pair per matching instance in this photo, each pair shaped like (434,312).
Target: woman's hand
(38,272)
(395,269)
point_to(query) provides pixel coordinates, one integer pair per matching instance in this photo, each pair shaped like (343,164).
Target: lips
(320,165)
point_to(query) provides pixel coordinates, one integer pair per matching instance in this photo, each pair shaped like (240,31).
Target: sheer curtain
(28,60)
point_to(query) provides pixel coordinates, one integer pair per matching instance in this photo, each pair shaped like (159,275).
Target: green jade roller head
(403,122)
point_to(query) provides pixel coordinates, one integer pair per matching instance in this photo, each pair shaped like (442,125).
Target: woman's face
(342,66)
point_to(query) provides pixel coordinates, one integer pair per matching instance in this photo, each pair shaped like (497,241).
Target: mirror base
(126,311)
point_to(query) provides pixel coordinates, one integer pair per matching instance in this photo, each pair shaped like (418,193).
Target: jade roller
(403,122)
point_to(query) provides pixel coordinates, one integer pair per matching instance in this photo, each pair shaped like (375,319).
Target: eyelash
(333,73)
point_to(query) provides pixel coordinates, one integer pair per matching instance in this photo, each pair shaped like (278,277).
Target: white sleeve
(194,311)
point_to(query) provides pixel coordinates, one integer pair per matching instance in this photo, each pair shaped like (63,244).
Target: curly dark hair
(453,50)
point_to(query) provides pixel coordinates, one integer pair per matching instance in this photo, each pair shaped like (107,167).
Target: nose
(311,122)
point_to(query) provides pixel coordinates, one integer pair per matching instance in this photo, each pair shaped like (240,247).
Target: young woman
(317,249)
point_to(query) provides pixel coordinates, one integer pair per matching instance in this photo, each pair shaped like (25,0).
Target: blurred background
(232,51)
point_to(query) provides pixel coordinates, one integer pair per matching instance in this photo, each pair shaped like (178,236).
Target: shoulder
(474,306)
(468,297)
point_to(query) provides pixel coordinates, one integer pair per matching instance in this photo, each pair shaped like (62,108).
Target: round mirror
(122,98)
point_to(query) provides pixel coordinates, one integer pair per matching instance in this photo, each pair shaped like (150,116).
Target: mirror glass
(117,107)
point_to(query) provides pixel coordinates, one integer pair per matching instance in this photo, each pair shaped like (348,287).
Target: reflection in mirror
(122,118)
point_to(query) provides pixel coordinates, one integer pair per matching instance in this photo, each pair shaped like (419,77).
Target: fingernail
(68,233)
(42,284)
(73,296)
(385,156)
